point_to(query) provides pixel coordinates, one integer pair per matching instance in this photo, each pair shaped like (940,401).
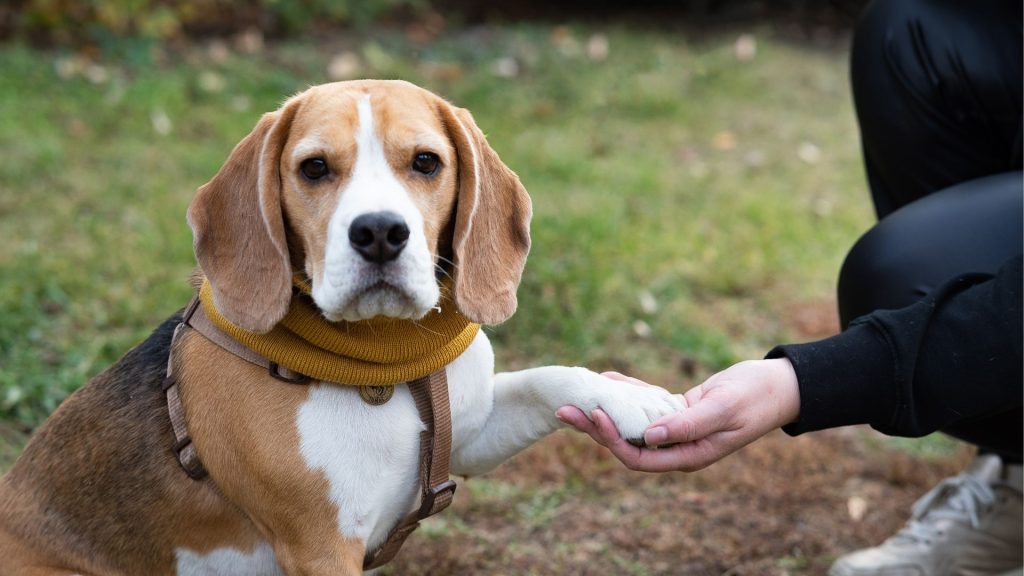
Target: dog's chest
(369,455)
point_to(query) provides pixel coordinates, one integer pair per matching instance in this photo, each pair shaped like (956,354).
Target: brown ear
(238,229)
(492,225)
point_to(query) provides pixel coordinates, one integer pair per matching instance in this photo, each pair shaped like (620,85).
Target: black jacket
(953,357)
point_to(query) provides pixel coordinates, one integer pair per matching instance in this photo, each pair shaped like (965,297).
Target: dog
(386,201)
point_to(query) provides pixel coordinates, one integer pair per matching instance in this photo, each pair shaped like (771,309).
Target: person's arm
(954,356)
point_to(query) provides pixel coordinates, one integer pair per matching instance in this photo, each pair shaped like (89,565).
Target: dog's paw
(632,407)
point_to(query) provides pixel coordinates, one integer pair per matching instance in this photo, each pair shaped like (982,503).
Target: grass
(676,224)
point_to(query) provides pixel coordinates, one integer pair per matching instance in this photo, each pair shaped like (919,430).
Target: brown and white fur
(303,479)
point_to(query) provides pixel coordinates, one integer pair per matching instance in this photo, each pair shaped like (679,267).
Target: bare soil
(780,506)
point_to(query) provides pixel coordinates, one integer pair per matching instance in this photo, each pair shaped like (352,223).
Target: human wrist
(784,390)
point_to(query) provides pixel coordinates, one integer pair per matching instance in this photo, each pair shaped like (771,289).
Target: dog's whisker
(423,329)
(446,261)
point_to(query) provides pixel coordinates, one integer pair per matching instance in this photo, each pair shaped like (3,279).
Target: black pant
(938,87)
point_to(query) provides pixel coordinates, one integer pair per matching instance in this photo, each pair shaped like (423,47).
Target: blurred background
(696,178)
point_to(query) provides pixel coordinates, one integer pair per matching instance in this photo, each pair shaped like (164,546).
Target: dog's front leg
(524,408)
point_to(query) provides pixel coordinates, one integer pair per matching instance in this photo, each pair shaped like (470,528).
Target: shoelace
(958,498)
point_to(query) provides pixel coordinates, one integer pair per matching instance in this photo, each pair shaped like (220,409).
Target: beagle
(386,200)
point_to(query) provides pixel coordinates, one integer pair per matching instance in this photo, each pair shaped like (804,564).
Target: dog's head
(373,189)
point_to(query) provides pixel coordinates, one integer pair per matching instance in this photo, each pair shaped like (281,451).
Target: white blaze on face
(351,288)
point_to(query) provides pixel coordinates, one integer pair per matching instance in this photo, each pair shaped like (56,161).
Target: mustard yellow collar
(375,352)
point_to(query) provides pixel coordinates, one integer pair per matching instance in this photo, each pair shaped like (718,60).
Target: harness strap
(199,321)
(437,489)
(183,448)
(429,392)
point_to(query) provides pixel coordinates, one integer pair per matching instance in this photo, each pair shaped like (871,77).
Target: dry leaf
(648,303)
(506,67)
(597,48)
(745,48)
(856,507)
(808,152)
(161,122)
(344,66)
(642,329)
(724,140)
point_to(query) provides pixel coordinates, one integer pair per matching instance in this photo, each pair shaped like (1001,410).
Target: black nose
(378,236)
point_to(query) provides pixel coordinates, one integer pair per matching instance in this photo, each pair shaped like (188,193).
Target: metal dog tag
(376,395)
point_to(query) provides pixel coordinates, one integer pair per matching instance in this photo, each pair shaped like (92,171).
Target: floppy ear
(492,224)
(238,229)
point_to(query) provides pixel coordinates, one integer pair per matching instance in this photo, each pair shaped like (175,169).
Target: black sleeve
(954,356)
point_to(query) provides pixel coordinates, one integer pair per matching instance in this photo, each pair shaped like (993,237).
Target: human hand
(728,411)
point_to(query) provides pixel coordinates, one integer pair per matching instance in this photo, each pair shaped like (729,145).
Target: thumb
(694,423)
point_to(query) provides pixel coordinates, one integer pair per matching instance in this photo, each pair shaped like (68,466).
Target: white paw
(632,407)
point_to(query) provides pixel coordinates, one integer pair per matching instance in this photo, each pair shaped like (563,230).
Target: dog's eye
(426,163)
(314,168)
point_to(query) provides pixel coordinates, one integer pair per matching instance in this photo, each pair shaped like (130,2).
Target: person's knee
(873,276)
(968,228)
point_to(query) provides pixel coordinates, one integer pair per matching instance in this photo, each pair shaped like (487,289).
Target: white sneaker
(968,525)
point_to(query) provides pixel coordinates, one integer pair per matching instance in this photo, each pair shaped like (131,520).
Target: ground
(780,506)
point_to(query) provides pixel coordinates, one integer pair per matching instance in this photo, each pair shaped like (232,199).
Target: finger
(696,422)
(575,417)
(688,457)
(607,434)
(694,395)
(684,457)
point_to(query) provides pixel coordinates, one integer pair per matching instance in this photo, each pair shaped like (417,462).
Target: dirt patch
(781,506)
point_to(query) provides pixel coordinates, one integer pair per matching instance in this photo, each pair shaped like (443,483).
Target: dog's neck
(375,352)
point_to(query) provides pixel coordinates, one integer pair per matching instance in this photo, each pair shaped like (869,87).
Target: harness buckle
(431,495)
(189,460)
(275,371)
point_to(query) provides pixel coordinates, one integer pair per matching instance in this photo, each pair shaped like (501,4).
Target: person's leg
(970,523)
(937,89)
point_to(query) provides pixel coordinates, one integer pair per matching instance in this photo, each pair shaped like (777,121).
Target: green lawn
(691,208)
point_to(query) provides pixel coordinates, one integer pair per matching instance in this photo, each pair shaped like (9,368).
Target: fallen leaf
(344,66)
(250,41)
(506,67)
(96,74)
(808,152)
(648,303)
(211,82)
(598,48)
(642,329)
(218,51)
(161,122)
(724,140)
(856,507)
(745,48)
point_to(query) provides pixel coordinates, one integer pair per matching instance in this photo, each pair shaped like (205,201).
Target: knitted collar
(375,352)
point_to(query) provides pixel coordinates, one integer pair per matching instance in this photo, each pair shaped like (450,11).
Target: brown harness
(429,392)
